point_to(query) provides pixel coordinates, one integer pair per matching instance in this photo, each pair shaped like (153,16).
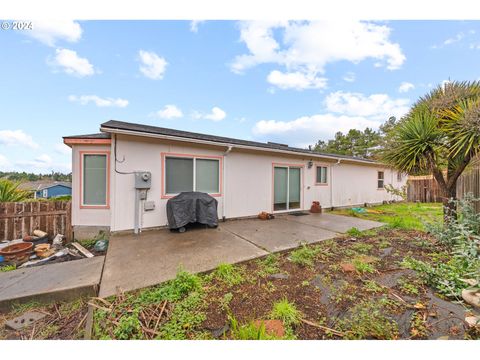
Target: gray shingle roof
(90,136)
(140,128)
(42,184)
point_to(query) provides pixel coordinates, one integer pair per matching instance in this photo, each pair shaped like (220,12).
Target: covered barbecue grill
(191,207)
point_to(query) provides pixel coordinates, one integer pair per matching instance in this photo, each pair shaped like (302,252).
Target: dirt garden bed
(351,287)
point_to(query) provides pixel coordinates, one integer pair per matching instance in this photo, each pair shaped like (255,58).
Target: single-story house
(46,189)
(123,177)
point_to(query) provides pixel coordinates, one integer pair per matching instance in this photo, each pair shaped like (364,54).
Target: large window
(191,174)
(321,175)
(94,179)
(380,180)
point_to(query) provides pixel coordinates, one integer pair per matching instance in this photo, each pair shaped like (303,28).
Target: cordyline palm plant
(440,135)
(9,191)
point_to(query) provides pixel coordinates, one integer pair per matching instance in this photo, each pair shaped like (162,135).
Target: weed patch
(304,255)
(229,274)
(286,311)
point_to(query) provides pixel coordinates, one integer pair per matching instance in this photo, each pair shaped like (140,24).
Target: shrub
(461,236)
(9,191)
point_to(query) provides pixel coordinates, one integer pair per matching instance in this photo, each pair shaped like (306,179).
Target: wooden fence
(423,189)
(19,218)
(469,182)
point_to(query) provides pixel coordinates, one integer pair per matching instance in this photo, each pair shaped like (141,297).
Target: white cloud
(216,114)
(43,164)
(296,80)
(168,112)
(454,39)
(405,87)
(100,102)
(17,137)
(51,31)
(343,111)
(375,106)
(349,77)
(308,47)
(69,62)
(63,149)
(194,25)
(306,130)
(153,66)
(5,164)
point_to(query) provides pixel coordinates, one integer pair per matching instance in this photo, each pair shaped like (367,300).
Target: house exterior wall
(246,177)
(82,216)
(53,191)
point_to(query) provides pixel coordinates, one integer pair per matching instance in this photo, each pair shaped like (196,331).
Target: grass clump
(354,232)
(249,331)
(173,290)
(363,267)
(304,255)
(229,274)
(286,311)
(372,286)
(8,268)
(268,265)
(362,247)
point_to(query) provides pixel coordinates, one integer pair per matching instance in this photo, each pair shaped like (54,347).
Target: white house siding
(84,216)
(247,182)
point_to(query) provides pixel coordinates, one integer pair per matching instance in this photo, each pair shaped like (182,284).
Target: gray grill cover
(191,207)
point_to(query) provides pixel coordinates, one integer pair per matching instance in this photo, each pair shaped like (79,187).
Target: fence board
(469,183)
(53,217)
(423,190)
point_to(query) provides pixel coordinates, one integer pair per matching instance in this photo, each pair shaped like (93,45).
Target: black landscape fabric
(192,207)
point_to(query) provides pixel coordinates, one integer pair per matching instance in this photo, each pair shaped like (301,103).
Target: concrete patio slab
(135,262)
(278,234)
(332,222)
(53,282)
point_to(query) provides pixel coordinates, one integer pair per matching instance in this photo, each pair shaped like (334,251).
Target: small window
(45,193)
(191,174)
(399,176)
(380,180)
(321,175)
(95,179)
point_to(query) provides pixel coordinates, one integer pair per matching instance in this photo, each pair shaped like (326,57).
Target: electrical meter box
(143,179)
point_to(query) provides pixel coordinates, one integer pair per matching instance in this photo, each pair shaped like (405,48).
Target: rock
(279,276)
(219,332)
(272,327)
(472,321)
(27,319)
(386,252)
(347,267)
(471,296)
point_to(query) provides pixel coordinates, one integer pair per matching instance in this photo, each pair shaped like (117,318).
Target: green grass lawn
(400,215)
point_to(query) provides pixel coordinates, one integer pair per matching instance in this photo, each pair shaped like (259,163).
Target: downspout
(331,183)
(224,203)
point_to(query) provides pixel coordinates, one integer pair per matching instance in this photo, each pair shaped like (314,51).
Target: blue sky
(291,82)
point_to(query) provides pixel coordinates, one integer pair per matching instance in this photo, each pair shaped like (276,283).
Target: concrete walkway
(52,282)
(134,262)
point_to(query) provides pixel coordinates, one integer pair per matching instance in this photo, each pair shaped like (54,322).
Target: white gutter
(215,143)
(224,198)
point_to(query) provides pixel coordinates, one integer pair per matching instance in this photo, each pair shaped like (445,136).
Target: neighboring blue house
(47,189)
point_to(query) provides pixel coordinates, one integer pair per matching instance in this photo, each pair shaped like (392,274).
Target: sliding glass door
(286,188)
